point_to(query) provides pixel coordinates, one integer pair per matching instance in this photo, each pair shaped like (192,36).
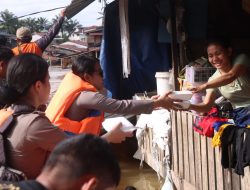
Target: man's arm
(45,40)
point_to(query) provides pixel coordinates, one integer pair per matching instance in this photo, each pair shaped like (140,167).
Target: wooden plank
(180,144)
(245,181)
(185,146)
(228,173)
(147,147)
(219,170)
(197,150)
(191,149)
(247,177)
(174,151)
(188,186)
(176,181)
(181,184)
(242,182)
(211,165)
(204,163)
(236,182)
(227,179)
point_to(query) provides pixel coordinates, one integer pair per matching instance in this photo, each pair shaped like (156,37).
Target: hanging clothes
(147,55)
(124,27)
(239,158)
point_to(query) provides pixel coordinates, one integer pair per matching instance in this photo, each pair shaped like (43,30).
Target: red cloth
(204,125)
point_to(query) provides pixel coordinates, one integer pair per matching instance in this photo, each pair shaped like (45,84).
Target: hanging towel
(124,27)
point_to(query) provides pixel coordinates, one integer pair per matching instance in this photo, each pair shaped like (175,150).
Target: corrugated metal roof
(76,6)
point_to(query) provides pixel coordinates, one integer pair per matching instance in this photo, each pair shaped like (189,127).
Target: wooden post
(174,47)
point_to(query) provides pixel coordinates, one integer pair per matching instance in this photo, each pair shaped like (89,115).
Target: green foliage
(10,23)
(68,26)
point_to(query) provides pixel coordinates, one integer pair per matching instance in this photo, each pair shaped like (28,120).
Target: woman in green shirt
(231,80)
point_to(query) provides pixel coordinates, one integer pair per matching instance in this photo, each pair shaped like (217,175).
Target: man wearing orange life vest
(24,38)
(78,106)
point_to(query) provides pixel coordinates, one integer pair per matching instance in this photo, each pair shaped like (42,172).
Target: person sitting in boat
(32,136)
(5,55)
(78,105)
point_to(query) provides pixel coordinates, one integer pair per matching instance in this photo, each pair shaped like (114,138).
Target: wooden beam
(174,47)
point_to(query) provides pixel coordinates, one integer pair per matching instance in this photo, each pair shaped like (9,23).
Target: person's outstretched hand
(166,102)
(62,13)
(117,135)
(198,88)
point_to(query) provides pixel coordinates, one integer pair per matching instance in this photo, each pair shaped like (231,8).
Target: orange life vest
(69,89)
(31,47)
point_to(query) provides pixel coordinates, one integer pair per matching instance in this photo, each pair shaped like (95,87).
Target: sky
(87,17)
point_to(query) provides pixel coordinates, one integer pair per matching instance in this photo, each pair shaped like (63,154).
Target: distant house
(94,36)
(85,40)
(79,33)
(94,39)
(67,51)
(71,47)
(90,36)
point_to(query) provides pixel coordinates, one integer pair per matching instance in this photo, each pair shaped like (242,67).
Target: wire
(34,13)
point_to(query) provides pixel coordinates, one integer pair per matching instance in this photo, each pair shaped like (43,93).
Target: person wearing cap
(24,38)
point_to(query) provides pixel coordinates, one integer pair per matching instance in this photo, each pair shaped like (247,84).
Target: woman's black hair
(85,155)
(5,53)
(84,64)
(23,71)
(223,42)
(3,40)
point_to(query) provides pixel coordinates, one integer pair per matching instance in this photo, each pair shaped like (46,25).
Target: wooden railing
(196,165)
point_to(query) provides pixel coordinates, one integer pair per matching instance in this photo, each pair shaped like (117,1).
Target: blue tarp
(147,54)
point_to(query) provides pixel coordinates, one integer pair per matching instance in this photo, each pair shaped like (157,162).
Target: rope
(33,13)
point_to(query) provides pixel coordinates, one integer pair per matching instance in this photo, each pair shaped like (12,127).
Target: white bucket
(162,82)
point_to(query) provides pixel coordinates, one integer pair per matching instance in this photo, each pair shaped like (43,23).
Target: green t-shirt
(238,91)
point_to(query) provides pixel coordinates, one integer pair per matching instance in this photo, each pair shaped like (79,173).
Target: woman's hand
(166,102)
(117,135)
(198,88)
(155,97)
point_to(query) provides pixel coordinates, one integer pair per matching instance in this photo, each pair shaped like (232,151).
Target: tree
(42,23)
(9,21)
(68,26)
(31,23)
(35,25)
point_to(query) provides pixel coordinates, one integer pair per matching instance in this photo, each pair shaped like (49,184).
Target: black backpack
(6,173)
(225,109)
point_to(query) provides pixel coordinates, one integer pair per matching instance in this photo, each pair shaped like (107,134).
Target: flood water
(142,179)
(132,175)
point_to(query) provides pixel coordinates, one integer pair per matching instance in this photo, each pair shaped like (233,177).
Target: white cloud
(86,17)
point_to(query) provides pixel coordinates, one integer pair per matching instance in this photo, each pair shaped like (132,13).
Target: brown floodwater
(142,179)
(132,175)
